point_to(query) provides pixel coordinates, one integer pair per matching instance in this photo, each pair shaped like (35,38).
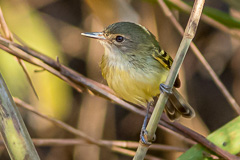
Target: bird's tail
(177,106)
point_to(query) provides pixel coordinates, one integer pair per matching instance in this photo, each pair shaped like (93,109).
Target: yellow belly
(136,86)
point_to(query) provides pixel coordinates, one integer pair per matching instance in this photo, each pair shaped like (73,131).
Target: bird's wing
(166,61)
(177,106)
(162,57)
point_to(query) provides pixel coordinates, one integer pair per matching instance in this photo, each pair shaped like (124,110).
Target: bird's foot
(165,88)
(144,139)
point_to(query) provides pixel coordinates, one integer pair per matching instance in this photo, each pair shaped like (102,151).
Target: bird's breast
(136,84)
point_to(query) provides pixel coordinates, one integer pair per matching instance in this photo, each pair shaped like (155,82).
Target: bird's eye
(119,38)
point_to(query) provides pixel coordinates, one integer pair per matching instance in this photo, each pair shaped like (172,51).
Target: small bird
(134,66)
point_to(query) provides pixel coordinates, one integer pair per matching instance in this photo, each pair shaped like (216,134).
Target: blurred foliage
(26,23)
(211,12)
(221,17)
(53,27)
(233,3)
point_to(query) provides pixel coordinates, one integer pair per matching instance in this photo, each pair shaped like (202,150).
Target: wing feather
(166,61)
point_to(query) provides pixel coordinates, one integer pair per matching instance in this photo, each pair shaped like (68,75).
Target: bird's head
(125,38)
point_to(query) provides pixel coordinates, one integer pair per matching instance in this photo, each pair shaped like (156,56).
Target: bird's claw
(165,88)
(144,139)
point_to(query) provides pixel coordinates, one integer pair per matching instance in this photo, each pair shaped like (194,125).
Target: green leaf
(226,137)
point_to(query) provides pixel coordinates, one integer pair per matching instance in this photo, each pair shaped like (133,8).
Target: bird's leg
(165,88)
(143,135)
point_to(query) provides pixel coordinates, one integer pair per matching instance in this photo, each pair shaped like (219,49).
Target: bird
(134,66)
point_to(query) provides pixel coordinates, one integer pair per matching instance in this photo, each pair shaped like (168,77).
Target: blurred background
(54,28)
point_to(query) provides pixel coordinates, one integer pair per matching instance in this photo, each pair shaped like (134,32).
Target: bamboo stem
(14,133)
(185,43)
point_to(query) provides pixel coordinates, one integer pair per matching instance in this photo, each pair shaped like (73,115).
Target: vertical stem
(152,124)
(182,50)
(15,135)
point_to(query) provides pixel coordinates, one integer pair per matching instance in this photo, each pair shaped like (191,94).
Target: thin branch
(107,144)
(19,53)
(132,153)
(88,139)
(209,20)
(123,144)
(178,133)
(6,32)
(59,123)
(134,145)
(196,51)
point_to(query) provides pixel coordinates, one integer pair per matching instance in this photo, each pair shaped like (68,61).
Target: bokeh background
(54,28)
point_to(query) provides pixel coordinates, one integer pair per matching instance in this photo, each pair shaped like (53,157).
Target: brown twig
(208,20)
(122,144)
(59,123)
(6,32)
(196,51)
(114,146)
(173,130)
(132,153)
(134,145)
(125,144)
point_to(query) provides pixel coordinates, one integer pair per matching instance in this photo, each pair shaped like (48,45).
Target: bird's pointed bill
(96,35)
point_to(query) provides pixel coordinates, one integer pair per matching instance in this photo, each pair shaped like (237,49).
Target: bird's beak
(96,35)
